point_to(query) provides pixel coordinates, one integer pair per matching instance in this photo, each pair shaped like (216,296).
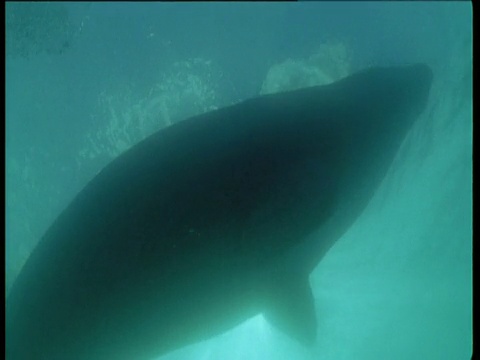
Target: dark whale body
(211,221)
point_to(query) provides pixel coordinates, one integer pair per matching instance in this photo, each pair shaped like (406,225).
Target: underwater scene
(229,181)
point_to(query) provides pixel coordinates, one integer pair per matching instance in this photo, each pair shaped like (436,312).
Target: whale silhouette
(211,221)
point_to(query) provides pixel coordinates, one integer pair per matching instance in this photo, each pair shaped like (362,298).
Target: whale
(212,221)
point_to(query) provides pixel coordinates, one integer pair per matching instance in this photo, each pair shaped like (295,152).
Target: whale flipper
(292,308)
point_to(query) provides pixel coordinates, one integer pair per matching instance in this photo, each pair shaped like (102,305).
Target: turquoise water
(398,284)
